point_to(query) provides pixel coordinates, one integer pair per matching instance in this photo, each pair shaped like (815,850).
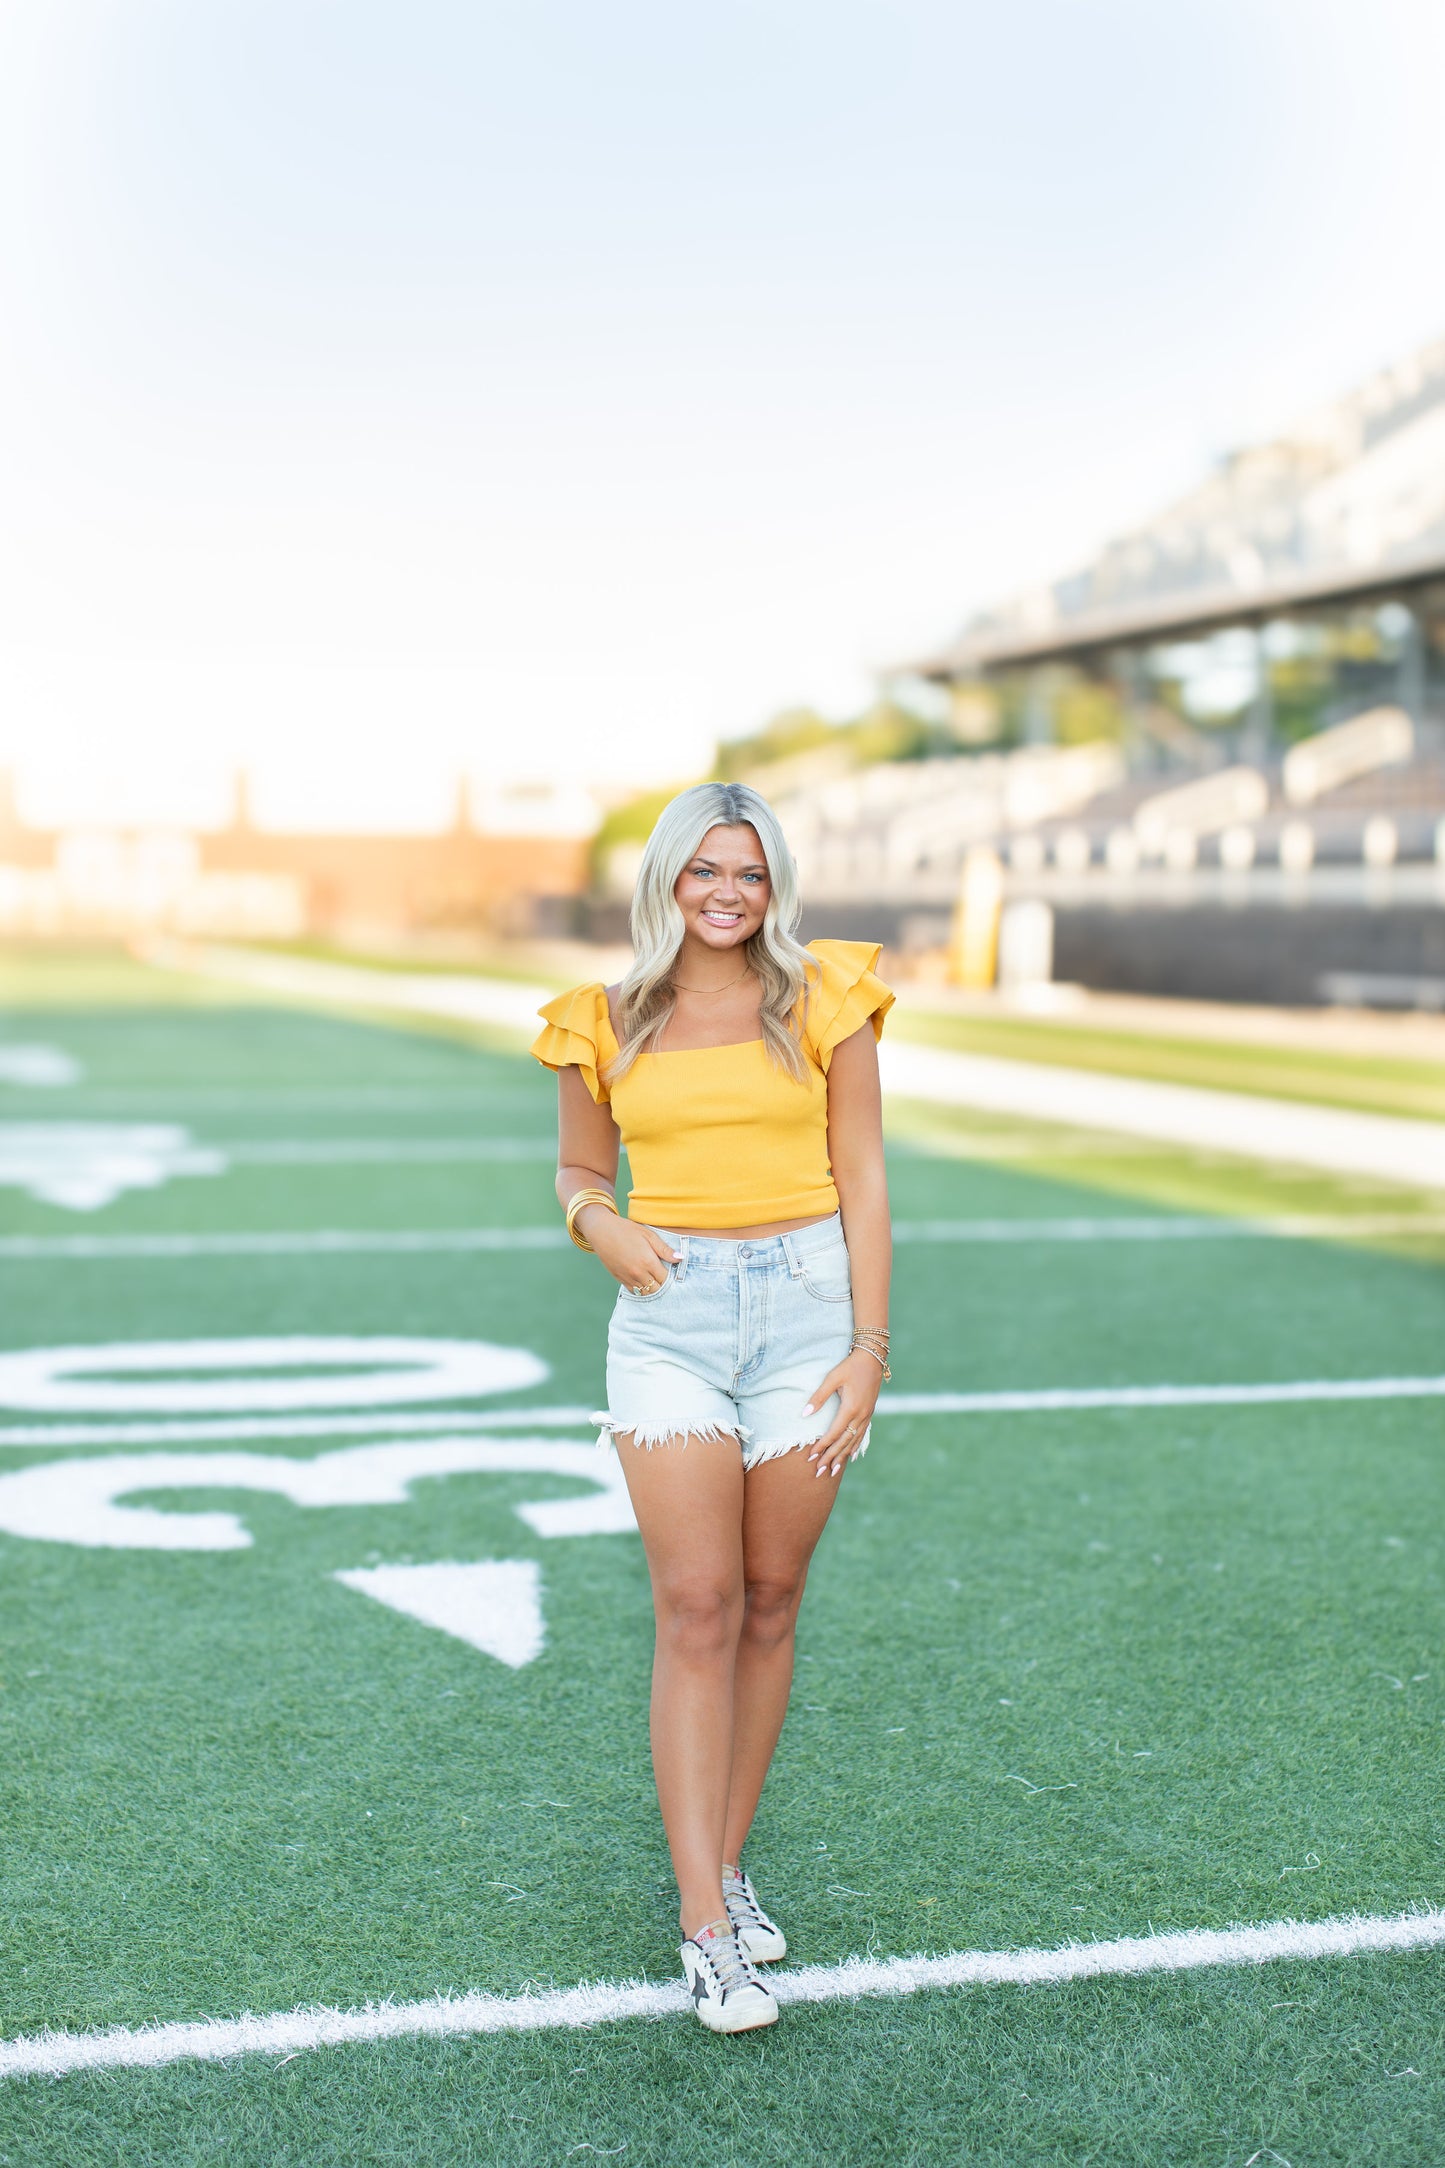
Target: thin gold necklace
(678,986)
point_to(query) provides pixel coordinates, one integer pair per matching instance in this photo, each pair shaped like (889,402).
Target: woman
(741,1072)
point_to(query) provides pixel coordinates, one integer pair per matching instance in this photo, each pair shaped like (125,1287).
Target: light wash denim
(734,1343)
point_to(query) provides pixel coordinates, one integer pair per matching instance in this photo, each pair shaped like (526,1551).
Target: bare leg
(688,1498)
(784,1510)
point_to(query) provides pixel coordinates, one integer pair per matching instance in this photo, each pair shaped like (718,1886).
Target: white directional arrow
(494,1605)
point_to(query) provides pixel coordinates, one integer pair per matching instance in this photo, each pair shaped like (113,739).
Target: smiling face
(724,889)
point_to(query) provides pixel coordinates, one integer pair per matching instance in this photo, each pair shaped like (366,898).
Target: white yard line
(1044,1401)
(292,2032)
(1163,1227)
(378,1151)
(1338,1140)
(1160,1396)
(267,1097)
(305,1242)
(382,1241)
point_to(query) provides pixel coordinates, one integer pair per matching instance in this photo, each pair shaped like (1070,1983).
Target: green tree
(631,822)
(886,731)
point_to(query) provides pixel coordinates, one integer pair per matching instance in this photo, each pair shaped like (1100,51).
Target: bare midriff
(751,1234)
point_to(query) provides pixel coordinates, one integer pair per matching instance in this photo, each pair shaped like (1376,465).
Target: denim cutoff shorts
(734,1343)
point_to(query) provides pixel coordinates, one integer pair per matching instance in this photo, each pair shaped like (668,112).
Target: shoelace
(729,1963)
(739,1896)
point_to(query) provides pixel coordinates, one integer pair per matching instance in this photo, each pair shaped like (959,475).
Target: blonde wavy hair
(788,973)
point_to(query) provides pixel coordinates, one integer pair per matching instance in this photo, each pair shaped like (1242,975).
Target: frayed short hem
(674,1433)
(757,1454)
(609,1427)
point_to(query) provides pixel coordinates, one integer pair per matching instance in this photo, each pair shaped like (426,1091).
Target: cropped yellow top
(719,1136)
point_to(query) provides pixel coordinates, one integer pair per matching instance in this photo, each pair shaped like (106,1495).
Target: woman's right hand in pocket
(636,1255)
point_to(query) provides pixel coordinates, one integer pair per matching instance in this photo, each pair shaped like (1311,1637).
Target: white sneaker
(727,1994)
(760,1939)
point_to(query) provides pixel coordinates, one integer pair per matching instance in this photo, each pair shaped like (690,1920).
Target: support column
(1038,712)
(1410,668)
(1257,737)
(1130,670)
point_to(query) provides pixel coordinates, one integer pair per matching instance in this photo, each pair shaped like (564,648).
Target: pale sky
(395,386)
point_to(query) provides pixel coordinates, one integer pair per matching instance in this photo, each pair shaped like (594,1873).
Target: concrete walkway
(1336,1140)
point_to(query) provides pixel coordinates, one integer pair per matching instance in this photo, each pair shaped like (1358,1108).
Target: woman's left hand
(856,1381)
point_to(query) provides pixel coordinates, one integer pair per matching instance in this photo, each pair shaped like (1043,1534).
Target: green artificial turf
(230,1783)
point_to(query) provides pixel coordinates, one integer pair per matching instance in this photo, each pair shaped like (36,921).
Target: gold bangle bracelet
(578,1202)
(582,1199)
(575,1232)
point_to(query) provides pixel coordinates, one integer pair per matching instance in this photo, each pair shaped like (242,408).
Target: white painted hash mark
(148,2047)
(81,1166)
(494,1605)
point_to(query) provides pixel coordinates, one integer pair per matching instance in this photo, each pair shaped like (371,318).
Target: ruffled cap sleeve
(851,994)
(578,1034)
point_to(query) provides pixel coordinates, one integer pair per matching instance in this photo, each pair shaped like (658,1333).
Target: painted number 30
(248,1389)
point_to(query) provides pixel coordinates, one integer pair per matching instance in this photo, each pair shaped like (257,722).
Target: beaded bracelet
(863,1338)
